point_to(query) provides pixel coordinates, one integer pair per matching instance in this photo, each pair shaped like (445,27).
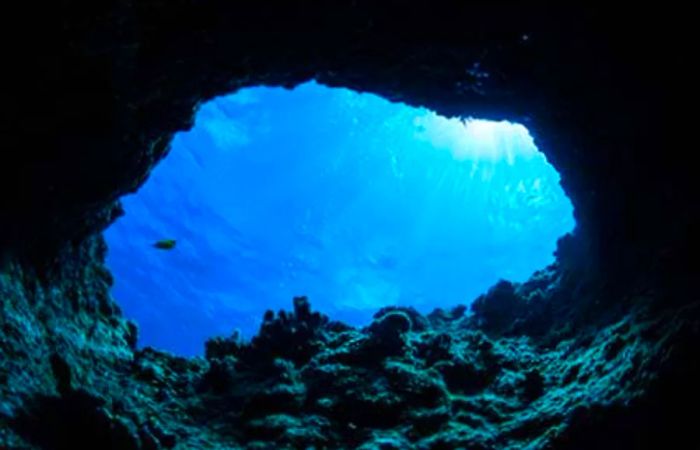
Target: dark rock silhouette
(598,351)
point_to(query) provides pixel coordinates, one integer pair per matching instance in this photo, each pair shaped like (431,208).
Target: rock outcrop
(404,381)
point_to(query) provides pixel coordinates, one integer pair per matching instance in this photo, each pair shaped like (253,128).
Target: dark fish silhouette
(165,244)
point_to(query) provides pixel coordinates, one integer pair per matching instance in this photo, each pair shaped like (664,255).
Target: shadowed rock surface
(405,381)
(597,351)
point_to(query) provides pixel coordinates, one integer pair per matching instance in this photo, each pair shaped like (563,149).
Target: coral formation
(446,380)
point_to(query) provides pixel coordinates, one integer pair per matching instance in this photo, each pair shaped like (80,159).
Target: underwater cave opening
(345,197)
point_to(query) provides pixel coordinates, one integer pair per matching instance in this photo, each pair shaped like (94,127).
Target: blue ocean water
(347,198)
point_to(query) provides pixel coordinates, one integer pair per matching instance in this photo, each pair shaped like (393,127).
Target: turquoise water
(345,197)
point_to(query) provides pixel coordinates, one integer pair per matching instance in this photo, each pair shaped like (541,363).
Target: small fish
(165,244)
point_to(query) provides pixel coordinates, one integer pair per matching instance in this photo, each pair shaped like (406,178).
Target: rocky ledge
(502,374)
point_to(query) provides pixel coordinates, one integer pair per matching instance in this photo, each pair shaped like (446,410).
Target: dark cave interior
(599,349)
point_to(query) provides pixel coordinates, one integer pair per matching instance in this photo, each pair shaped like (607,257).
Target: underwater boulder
(418,322)
(496,311)
(387,333)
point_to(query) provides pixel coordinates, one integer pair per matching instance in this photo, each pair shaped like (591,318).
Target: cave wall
(596,86)
(599,88)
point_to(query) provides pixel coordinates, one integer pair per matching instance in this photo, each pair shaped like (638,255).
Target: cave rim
(463,119)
